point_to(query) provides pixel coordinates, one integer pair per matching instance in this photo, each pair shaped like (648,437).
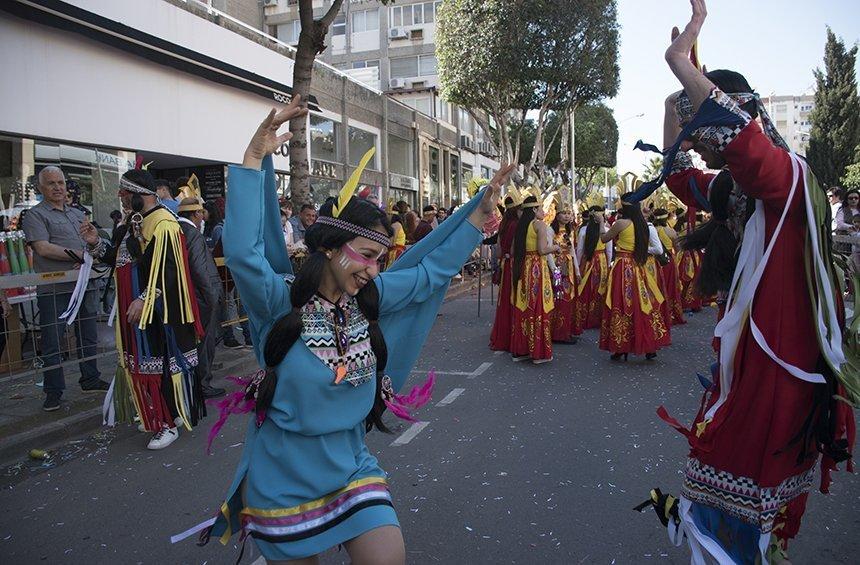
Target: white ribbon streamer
(191,531)
(80,291)
(748,274)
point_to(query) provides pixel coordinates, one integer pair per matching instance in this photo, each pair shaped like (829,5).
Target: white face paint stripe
(344,261)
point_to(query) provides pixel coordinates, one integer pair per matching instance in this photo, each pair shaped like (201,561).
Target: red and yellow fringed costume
(563,315)
(632,320)
(591,290)
(500,337)
(398,246)
(533,305)
(158,355)
(671,281)
(689,265)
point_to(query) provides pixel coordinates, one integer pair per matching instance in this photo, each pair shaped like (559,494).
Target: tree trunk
(311,43)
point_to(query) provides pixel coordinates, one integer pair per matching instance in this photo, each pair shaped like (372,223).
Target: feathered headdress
(342,201)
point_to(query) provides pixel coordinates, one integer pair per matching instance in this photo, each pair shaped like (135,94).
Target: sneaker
(141,428)
(52,402)
(248,344)
(541,361)
(96,385)
(518,358)
(231,343)
(213,392)
(163,438)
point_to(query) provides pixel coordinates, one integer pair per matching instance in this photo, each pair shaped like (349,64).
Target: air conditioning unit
(397,83)
(397,33)
(418,84)
(484,147)
(416,33)
(466,142)
(270,2)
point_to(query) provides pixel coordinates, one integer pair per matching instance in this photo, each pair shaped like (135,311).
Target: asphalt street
(510,463)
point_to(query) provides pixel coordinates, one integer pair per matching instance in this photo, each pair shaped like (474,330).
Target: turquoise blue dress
(306,481)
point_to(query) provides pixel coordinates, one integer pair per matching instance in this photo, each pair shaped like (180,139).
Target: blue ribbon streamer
(710,114)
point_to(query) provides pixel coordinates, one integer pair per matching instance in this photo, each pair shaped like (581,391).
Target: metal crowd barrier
(21,342)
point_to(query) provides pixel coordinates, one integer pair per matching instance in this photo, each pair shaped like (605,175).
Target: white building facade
(791,116)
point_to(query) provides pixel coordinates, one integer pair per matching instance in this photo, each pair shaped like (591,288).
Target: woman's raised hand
(266,139)
(682,43)
(490,199)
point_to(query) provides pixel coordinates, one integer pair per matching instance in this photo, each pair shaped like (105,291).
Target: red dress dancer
(500,337)
(563,330)
(632,320)
(689,264)
(755,441)
(593,256)
(671,280)
(533,297)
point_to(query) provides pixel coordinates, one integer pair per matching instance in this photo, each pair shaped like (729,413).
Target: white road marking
(452,396)
(471,374)
(409,434)
(480,370)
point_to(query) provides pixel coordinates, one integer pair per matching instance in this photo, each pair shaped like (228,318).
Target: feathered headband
(342,201)
(133,187)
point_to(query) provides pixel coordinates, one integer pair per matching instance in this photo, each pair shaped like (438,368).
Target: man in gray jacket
(207,288)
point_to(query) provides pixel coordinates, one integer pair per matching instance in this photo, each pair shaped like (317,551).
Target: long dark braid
(288,329)
(633,212)
(519,247)
(592,232)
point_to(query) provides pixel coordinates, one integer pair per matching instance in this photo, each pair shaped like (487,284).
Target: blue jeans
(53,331)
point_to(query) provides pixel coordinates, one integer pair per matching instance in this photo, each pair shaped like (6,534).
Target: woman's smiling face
(356,263)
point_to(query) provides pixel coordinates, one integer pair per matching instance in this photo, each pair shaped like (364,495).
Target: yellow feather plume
(349,188)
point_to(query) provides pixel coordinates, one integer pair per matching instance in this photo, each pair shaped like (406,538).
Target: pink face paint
(350,254)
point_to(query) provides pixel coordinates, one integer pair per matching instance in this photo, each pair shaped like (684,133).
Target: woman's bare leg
(379,546)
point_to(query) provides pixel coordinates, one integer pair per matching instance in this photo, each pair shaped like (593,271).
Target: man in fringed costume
(780,401)
(156,316)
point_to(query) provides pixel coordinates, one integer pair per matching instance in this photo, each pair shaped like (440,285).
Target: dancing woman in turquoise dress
(337,342)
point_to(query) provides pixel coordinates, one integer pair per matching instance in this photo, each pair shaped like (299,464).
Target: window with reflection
(324,134)
(360,142)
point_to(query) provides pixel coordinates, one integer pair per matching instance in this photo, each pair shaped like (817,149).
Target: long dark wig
(847,213)
(633,212)
(287,330)
(511,215)
(592,232)
(519,248)
(716,239)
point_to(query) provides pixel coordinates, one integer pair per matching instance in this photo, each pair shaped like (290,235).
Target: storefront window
(400,156)
(360,142)
(397,194)
(94,171)
(435,177)
(324,134)
(321,189)
(456,186)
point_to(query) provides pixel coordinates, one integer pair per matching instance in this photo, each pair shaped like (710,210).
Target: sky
(775,44)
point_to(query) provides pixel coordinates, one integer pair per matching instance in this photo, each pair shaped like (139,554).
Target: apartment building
(391,49)
(791,116)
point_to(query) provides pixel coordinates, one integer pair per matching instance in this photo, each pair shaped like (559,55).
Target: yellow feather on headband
(349,188)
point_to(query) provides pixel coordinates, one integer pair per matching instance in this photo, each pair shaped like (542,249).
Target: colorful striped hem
(312,518)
